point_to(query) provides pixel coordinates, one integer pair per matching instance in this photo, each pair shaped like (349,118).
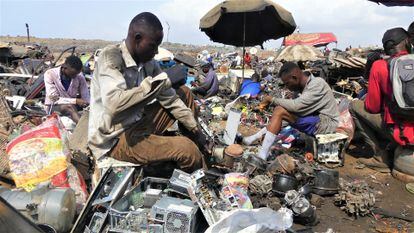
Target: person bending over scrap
(63,84)
(313,112)
(133,102)
(210,85)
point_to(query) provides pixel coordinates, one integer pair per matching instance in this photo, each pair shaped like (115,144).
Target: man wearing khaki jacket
(133,102)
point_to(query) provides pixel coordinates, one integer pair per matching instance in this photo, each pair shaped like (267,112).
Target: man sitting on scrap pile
(373,118)
(313,112)
(133,102)
(210,85)
(63,84)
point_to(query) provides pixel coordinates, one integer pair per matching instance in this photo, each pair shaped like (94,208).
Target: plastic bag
(38,154)
(346,123)
(253,221)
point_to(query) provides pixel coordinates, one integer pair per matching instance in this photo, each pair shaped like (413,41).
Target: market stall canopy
(394,2)
(299,53)
(247,22)
(314,39)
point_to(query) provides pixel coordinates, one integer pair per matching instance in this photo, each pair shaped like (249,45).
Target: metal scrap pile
(355,198)
(127,199)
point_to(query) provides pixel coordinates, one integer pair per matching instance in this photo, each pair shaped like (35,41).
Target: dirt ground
(390,195)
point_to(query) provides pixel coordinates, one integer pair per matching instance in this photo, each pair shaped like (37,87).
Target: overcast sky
(355,22)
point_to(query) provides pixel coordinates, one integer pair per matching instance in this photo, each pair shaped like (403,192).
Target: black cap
(394,35)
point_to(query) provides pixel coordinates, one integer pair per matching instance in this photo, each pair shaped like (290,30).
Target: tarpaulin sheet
(314,39)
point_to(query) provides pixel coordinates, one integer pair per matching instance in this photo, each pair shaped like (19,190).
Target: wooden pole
(28,34)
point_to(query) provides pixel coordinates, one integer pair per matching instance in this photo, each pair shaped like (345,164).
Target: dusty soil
(390,195)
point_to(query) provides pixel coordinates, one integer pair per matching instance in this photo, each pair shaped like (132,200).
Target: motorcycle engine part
(283,183)
(283,163)
(330,148)
(13,221)
(260,184)
(305,190)
(308,216)
(356,198)
(231,154)
(252,163)
(326,182)
(304,212)
(218,154)
(55,207)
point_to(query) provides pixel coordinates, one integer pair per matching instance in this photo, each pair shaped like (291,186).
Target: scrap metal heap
(126,199)
(355,198)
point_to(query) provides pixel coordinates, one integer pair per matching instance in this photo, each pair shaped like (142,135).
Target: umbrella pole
(244,40)
(244,48)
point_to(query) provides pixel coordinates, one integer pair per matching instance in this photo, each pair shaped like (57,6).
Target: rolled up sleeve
(116,97)
(304,102)
(169,100)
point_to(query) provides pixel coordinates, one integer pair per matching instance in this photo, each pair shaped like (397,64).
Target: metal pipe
(18,75)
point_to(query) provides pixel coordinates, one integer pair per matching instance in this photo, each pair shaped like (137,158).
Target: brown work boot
(381,162)
(375,164)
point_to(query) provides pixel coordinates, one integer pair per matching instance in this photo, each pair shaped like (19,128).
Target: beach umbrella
(163,55)
(299,53)
(244,23)
(247,22)
(394,2)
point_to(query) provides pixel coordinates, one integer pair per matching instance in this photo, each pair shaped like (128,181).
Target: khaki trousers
(143,143)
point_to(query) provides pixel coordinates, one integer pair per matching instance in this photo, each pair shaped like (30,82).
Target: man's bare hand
(81,102)
(54,98)
(267,99)
(201,140)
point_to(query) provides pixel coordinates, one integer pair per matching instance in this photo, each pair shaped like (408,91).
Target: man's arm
(373,101)
(304,103)
(169,100)
(114,94)
(83,88)
(51,90)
